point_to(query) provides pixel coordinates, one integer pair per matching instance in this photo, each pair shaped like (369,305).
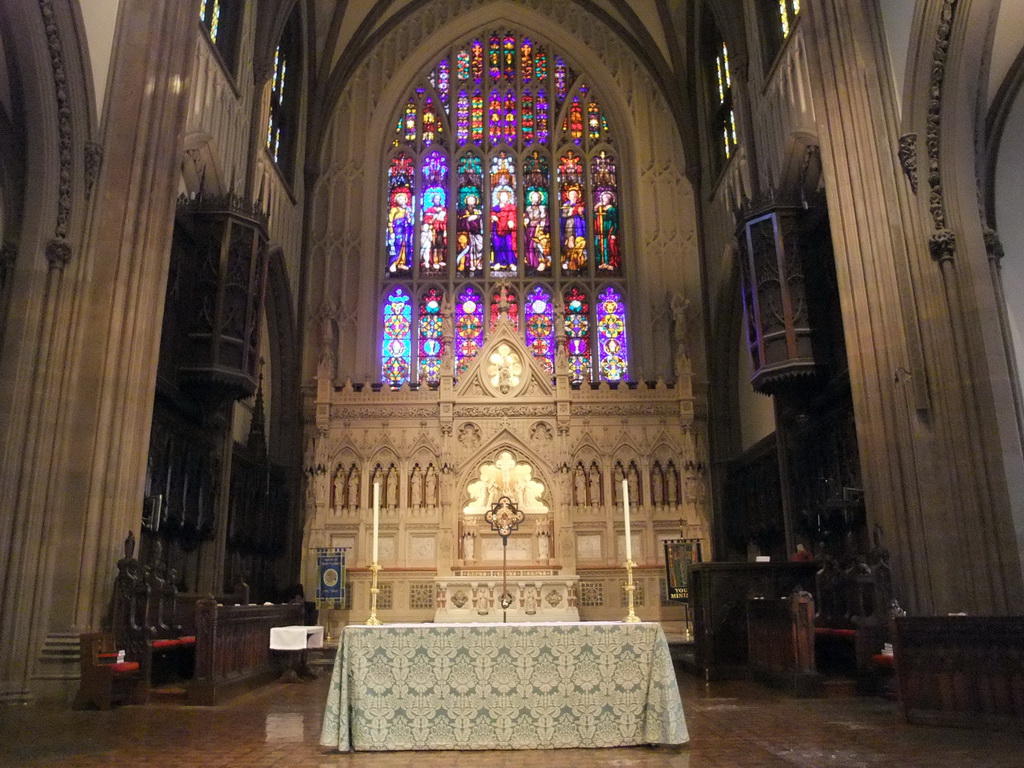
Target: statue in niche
(338,500)
(543,546)
(327,342)
(657,486)
(352,499)
(430,487)
(634,487)
(594,487)
(579,487)
(680,311)
(391,496)
(416,487)
(673,484)
(467,546)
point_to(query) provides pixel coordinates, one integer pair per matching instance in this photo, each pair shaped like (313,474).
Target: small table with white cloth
(297,638)
(502,686)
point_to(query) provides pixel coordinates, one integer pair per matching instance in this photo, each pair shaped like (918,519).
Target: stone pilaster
(919,418)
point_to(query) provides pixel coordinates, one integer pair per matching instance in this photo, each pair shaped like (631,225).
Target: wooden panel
(719,592)
(233,647)
(962,670)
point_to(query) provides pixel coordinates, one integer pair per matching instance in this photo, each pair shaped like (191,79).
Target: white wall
(99,17)
(756,411)
(1009,211)
(1008,40)
(897,18)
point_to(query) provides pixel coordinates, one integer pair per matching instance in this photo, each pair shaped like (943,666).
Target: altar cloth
(502,686)
(296,638)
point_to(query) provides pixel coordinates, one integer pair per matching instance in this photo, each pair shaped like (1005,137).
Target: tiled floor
(732,725)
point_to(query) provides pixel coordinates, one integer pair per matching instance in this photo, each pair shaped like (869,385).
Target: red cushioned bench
(104,680)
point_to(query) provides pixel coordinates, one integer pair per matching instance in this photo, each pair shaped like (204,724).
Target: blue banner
(330,593)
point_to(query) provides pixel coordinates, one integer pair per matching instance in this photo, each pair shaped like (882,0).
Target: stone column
(920,419)
(84,369)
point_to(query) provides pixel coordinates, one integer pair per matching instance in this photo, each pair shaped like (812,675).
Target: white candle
(625,508)
(376,517)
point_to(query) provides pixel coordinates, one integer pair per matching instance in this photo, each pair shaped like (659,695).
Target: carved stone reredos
(504,369)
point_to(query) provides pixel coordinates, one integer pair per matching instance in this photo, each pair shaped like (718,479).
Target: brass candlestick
(373,620)
(632,618)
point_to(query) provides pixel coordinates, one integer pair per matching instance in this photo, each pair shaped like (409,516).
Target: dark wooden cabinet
(719,594)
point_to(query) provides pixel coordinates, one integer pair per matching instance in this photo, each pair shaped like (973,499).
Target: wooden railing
(233,647)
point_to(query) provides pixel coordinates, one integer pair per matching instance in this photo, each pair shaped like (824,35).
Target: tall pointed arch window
(222,21)
(718,76)
(502,189)
(283,117)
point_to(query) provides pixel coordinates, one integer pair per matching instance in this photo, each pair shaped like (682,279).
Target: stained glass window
(519,201)
(434,229)
(606,213)
(495,118)
(788,11)
(442,82)
(577,335)
(611,336)
(510,117)
(209,14)
(430,336)
(572,213)
(509,298)
(469,328)
(724,115)
(508,50)
(396,350)
(494,55)
(527,118)
(476,116)
(540,327)
(431,126)
(526,59)
(462,119)
(504,235)
(469,230)
(401,216)
(537,226)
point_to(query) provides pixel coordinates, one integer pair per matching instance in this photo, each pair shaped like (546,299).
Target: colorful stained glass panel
(504,251)
(611,336)
(401,216)
(607,254)
(469,328)
(469,228)
(434,228)
(577,334)
(396,347)
(513,307)
(430,327)
(572,213)
(540,327)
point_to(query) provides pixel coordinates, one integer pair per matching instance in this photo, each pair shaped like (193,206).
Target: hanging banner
(330,593)
(679,554)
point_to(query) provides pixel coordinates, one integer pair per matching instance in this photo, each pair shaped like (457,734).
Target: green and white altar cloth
(502,686)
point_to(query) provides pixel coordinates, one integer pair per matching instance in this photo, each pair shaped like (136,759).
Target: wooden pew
(104,680)
(965,671)
(233,647)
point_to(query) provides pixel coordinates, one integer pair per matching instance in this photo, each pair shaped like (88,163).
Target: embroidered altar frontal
(507,686)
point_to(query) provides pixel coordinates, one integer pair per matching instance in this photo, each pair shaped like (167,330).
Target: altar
(502,686)
(537,595)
